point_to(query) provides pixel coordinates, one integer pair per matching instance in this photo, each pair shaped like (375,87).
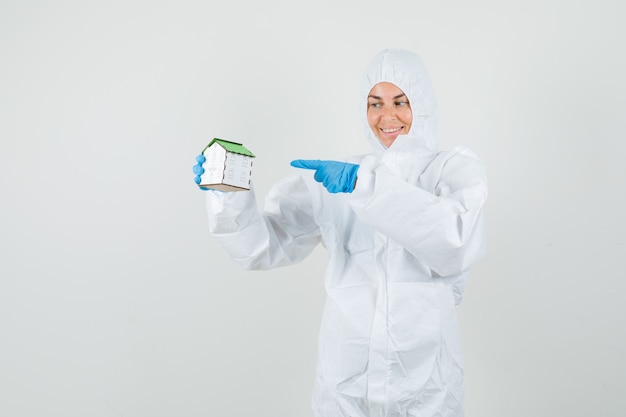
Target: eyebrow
(380,98)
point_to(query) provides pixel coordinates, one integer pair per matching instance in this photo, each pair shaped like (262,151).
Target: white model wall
(214,165)
(238,170)
(114,301)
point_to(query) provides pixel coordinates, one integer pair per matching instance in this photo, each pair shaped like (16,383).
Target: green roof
(230,147)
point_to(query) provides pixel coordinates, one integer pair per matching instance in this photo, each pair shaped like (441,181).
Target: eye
(402,103)
(375,105)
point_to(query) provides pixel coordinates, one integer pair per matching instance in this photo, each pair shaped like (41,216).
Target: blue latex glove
(199,170)
(337,177)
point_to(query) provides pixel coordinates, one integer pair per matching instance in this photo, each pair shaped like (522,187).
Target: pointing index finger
(305,163)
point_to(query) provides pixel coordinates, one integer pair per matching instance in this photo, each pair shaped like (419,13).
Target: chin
(387,142)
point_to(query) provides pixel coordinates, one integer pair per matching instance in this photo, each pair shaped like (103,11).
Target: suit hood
(406,70)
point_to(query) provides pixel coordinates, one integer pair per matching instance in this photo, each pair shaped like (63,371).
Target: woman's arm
(283,233)
(442,227)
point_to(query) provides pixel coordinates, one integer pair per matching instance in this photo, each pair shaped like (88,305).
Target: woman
(402,226)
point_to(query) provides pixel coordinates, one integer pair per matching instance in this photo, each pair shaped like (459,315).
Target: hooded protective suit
(399,246)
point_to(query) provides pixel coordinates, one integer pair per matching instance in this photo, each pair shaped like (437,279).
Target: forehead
(386,90)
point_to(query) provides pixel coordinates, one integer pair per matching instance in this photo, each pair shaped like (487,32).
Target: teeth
(391,130)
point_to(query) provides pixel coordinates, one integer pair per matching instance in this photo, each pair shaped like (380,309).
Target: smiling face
(388,112)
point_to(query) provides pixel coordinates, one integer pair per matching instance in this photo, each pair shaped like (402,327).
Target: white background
(115,301)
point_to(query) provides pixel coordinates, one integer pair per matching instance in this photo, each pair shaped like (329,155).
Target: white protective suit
(399,246)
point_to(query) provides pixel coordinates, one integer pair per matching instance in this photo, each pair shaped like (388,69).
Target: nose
(389,113)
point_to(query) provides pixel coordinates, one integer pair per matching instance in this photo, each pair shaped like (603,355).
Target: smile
(392,130)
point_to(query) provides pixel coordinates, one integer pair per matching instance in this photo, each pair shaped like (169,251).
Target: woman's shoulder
(458,158)
(455,169)
(460,151)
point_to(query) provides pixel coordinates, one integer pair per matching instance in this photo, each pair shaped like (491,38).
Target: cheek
(407,117)
(372,119)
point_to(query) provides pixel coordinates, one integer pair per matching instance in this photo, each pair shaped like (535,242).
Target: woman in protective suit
(402,226)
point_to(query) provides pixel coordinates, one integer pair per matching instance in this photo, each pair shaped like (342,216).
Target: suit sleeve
(283,233)
(442,227)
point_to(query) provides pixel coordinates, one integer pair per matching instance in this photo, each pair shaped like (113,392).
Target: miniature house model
(228,166)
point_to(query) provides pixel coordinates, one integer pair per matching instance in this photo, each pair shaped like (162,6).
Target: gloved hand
(199,170)
(337,177)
